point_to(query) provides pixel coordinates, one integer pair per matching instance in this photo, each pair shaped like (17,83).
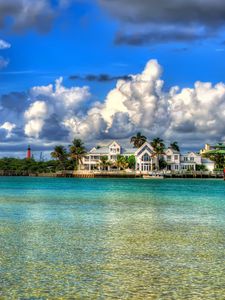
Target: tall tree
(122,162)
(138,140)
(61,155)
(104,162)
(175,146)
(158,148)
(132,162)
(77,151)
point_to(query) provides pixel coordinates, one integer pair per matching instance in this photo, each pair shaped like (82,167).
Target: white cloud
(190,115)
(4,45)
(35,116)
(8,127)
(61,102)
(34,127)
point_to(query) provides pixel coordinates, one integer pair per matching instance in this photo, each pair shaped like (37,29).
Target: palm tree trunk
(157,167)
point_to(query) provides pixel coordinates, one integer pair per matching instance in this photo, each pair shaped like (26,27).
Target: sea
(105,238)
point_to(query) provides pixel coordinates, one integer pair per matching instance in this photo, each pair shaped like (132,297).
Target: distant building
(208,147)
(145,158)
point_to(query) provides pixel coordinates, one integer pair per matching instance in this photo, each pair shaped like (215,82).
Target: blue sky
(81,38)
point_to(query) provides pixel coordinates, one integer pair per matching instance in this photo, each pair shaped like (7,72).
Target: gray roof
(128,150)
(105,150)
(102,150)
(206,160)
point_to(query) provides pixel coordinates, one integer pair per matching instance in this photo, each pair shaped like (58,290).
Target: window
(176,167)
(146,157)
(192,158)
(176,157)
(169,157)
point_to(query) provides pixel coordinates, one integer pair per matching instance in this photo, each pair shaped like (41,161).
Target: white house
(93,158)
(146,161)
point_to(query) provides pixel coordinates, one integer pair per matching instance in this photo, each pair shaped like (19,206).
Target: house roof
(101,150)
(173,150)
(206,160)
(128,150)
(146,144)
(105,150)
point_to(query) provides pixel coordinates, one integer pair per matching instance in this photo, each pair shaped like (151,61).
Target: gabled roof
(114,142)
(173,150)
(101,150)
(141,149)
(191,154)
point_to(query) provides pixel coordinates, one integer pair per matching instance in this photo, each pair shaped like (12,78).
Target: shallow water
(112,239)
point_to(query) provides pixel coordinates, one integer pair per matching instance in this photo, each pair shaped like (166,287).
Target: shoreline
(118,174)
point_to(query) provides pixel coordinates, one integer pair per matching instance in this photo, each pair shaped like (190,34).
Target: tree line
(69,158)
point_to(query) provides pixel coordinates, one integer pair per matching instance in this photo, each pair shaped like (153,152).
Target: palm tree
(158,148)
(77,151)
(138,140)
(175,146)
(61,155)
(104,162)
(122,162)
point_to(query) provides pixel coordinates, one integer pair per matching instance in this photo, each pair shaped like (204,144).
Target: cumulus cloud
(4,45)
(53,113)
(157,21)
(8,128)
(54,105)
(35,115)
(198,111)
(23,15)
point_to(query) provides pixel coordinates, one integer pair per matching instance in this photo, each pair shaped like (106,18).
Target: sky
(101,70)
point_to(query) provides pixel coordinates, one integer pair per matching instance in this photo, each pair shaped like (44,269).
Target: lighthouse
(28,152)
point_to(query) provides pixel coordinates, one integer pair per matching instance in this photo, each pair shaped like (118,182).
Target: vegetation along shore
(115,160)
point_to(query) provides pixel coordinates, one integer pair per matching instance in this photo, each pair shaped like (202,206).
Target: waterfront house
(146,161)
(176,161)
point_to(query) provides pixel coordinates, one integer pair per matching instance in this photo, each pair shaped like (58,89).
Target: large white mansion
(145,159)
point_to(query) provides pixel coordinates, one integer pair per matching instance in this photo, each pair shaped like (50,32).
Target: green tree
(175,146)
(77,151)
(201,168)
(138,140)
(162,163)
(132,162)
(158,149)
(104,162)
(60,154)
(122,162)
(218,156)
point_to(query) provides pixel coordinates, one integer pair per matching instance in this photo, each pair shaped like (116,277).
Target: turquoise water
(112,239)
